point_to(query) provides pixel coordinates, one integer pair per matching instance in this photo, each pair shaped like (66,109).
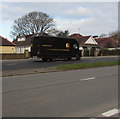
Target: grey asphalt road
(8,65)
(78,93)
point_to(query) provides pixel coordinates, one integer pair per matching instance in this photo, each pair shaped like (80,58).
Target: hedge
(106,52)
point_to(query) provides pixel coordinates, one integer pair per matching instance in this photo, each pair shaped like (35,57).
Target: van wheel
(69,58)
(78,57)
(44,59)
(51,59)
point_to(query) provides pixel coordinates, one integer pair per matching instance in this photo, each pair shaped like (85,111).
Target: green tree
(63,33)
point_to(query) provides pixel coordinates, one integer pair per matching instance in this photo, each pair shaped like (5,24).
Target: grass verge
(86,65)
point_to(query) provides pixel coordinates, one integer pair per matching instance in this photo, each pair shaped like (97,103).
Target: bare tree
(32,23)
(116,36)
(103,35)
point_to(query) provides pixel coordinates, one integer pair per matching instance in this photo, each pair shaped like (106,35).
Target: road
(78,93)
(8,65)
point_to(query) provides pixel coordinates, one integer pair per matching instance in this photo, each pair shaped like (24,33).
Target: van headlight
(75,46)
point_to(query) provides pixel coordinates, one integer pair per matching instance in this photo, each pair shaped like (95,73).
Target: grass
(86,65)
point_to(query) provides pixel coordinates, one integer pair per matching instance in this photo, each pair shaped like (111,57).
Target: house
(87,44)
(107,42)
(75,35)
(23,43)
(6,46)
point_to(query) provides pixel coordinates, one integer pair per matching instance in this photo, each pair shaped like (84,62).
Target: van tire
(44,59)
(78,57)
(69,58)
(51,59)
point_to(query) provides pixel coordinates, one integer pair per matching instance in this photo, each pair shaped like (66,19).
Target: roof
(81,39)
(107,42)
(75,35)
(6,42)
(27,41)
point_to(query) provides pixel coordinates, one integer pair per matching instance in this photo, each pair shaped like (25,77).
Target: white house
(22,44)
(87,44)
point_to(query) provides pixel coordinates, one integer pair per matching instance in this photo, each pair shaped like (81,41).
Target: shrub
(106,52)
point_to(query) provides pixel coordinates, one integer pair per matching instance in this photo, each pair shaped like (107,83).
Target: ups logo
(67,45)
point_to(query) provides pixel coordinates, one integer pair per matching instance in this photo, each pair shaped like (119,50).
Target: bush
(106,52)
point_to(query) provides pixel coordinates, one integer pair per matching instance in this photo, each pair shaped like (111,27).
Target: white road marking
(87,79)
(110,113)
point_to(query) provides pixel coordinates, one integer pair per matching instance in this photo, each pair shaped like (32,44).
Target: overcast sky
(86,18)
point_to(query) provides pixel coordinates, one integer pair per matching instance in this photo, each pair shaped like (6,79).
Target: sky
(86,18)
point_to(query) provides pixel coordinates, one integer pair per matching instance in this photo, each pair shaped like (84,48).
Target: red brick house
(107,42)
